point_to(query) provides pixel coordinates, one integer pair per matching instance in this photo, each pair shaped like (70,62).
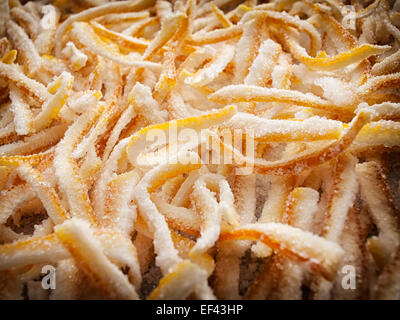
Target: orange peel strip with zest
(383,111)
(142,101)
(302,204)
(119,213)
(263,65)
(23,116)
(17,160)
(163,9)
(168,30)
(343,196)
(46,194)
(30,251)
(9,57)
(212,211)
(184,245)
(381,134)
(106,176)
(179,218)
(339,61)
(48,249)
(92,13)
(84,33)
(22,81)
(340,203)
(284,19)
(67,170)
(376,195)
(249,93)
(185,279)
(167,80)
(78,238)
(267,130)
(167,256)
(119,38)
(44,138)
(182,195)
(138,140)
(11,199)
(274,208)
(76,57)
(115,18)
(201,38)
(25,46)
(213,68)
(324,256)
(374,84)
(221,16)
(388,283)
(298,164)
(53,105)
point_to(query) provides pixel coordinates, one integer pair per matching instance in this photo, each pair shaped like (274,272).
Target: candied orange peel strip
(138,140)
(324,256)
(338,61)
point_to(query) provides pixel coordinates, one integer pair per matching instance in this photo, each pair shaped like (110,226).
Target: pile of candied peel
(306,207)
